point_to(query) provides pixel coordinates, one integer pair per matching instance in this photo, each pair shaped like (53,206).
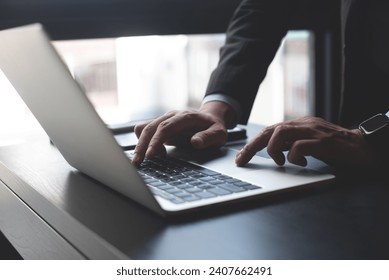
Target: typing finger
(146,132)
(283,137)
(307,147)
(139,128)
(255,145)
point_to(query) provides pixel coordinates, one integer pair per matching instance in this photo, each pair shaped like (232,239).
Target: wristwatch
(376,132)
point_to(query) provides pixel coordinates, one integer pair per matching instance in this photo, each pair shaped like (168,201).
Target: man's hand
(203,128)
(309,136)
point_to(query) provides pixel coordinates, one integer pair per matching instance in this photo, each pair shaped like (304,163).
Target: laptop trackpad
(260,171)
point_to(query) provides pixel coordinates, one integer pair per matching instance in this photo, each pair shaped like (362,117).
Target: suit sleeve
(253,37)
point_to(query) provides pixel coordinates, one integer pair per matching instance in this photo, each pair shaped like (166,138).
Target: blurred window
(132,78)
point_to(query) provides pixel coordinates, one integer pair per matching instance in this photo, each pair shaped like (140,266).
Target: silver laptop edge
(34,68)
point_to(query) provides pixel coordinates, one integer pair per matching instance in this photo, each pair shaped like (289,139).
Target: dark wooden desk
(49,210)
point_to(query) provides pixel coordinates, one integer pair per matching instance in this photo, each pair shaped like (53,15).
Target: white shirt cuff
(229,101)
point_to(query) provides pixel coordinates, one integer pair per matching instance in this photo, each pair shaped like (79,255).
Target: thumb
(211,137)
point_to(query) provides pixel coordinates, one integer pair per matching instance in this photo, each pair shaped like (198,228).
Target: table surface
(50,210)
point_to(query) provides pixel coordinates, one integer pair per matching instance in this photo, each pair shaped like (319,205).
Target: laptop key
(208,172)
(206,178)
(173,191)
(175,183)
(251,187)
(161,193)
(178,177)
(205,186)
(165,187)
(222,177)
(156,184)
(181,181)
(205,194)
(177,200)
(183,186)
(182,194)
(190,173)
(191,198)
(193,190)
(188,180)
(150,180)
(198,176)
(196,183)
(231,188)
(232,180)
(215,182)
(219,191)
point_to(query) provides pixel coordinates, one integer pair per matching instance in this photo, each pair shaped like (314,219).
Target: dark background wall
(112,18)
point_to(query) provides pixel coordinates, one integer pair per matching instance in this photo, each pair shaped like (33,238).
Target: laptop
(44,82)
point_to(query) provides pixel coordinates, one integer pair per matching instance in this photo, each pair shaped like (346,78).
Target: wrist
(220,110)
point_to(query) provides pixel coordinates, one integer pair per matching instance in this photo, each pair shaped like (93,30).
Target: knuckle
(333,136)
(138,129)
(171,113)
(221,131)
(215,133)
(297,147)
(273,149)
(327,140)
(308,118)
(270,151)
(164,124)
(292,154)
(249,148)
(140,148)
(189,115)
(282,130)
(267,130)
(317,126)
(315,122)
(148,128)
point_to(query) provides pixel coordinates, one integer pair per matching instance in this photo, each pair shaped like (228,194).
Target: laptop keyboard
(180,181)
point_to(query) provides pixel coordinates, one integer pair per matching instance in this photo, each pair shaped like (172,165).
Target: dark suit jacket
(257,29)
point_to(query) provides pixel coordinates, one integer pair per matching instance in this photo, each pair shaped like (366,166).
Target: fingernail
(152,152)
(149,153)
(238,159)
(135,160)
(197,141)
(302,162)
